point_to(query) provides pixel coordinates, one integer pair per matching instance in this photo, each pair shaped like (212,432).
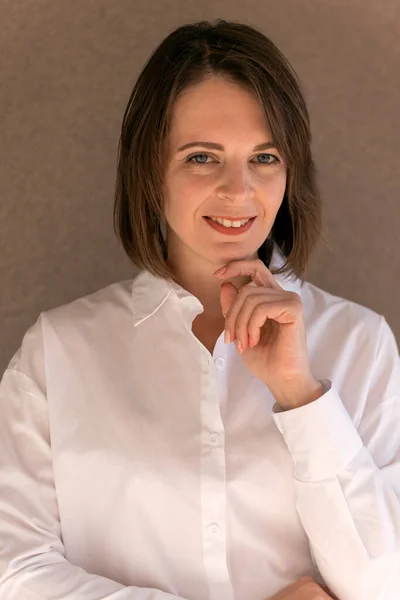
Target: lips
(229,231)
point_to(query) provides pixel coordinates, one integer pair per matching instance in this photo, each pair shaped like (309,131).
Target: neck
(204,285)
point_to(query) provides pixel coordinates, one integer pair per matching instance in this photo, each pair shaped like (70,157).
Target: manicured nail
(239,346)
(227,337)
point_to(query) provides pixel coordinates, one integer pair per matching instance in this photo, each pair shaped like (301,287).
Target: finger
(264,310)
(227,295)
(254,268)
(257,325)
(240,313)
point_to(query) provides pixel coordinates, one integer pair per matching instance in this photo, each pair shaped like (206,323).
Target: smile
(230,222)
(230,226)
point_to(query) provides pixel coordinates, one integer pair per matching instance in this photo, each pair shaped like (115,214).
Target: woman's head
(225,84)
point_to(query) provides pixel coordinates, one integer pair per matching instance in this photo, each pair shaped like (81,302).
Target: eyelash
(267,164)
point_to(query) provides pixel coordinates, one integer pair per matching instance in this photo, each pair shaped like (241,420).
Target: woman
(216,428)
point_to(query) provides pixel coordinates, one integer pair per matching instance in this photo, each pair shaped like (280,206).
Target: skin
(236,182)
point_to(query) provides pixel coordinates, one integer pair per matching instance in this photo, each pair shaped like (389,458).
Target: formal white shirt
(136,466)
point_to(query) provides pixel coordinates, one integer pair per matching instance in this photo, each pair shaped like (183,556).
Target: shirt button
(214,437)
(220,363)
(214,530)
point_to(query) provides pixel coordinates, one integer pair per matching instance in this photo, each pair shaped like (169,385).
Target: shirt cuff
(320,436)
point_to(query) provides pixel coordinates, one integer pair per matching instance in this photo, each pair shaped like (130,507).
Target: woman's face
(234,180)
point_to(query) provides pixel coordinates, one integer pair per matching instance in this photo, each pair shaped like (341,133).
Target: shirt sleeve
(32,558)
(347,481)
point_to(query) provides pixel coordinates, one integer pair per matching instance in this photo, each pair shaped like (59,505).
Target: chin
(235,254)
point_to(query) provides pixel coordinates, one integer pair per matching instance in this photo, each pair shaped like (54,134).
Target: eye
(270,159)
(191,161)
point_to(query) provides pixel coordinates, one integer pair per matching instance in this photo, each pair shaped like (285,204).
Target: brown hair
(188,55)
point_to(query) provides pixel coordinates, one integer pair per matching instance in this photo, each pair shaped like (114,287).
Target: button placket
(213,486)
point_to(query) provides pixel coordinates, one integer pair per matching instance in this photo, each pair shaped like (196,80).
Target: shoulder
(99,302)
(92,323)
(334,311)
(353,346)
(87,320)
(350,334)
(101,308)
(344,328)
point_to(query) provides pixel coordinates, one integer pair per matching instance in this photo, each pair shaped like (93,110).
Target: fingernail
(227,337)
(220,271)
(239,346)
(251,343)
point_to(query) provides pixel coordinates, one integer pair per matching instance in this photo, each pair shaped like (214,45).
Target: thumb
(227,295)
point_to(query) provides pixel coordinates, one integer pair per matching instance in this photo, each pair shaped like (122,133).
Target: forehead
(218,105)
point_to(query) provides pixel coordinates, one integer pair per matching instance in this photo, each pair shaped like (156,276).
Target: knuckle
(296,299)
(260,309)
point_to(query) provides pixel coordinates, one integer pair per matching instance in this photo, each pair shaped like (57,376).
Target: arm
(32,558)
(347,482)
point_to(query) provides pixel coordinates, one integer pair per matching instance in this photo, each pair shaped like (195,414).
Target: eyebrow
(213,146)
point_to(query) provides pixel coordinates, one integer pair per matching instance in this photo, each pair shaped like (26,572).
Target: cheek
(195,187)
(183,198)
(179,208)
(275,187)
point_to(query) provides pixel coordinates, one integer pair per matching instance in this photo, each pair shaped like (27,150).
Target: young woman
(216,428)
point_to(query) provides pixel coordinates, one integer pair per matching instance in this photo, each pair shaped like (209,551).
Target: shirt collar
(149,292)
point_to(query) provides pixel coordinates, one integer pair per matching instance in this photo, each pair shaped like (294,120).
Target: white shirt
(136,466)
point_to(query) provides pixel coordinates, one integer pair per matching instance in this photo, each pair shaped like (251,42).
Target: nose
(236,183)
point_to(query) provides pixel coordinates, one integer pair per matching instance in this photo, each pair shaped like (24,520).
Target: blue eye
(190,159)
(271,159)
(270,156)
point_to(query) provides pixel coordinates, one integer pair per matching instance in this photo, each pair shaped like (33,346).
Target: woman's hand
(267,324)
(304,589)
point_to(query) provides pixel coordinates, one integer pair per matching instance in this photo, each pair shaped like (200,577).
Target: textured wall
(66,72)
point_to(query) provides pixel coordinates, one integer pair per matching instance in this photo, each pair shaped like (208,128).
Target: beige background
(66,72)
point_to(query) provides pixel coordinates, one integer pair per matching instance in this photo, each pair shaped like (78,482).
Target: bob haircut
(189,55)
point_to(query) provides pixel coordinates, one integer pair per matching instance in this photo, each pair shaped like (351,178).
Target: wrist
(298,393)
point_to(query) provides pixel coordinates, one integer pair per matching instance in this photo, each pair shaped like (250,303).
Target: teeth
(227,223)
